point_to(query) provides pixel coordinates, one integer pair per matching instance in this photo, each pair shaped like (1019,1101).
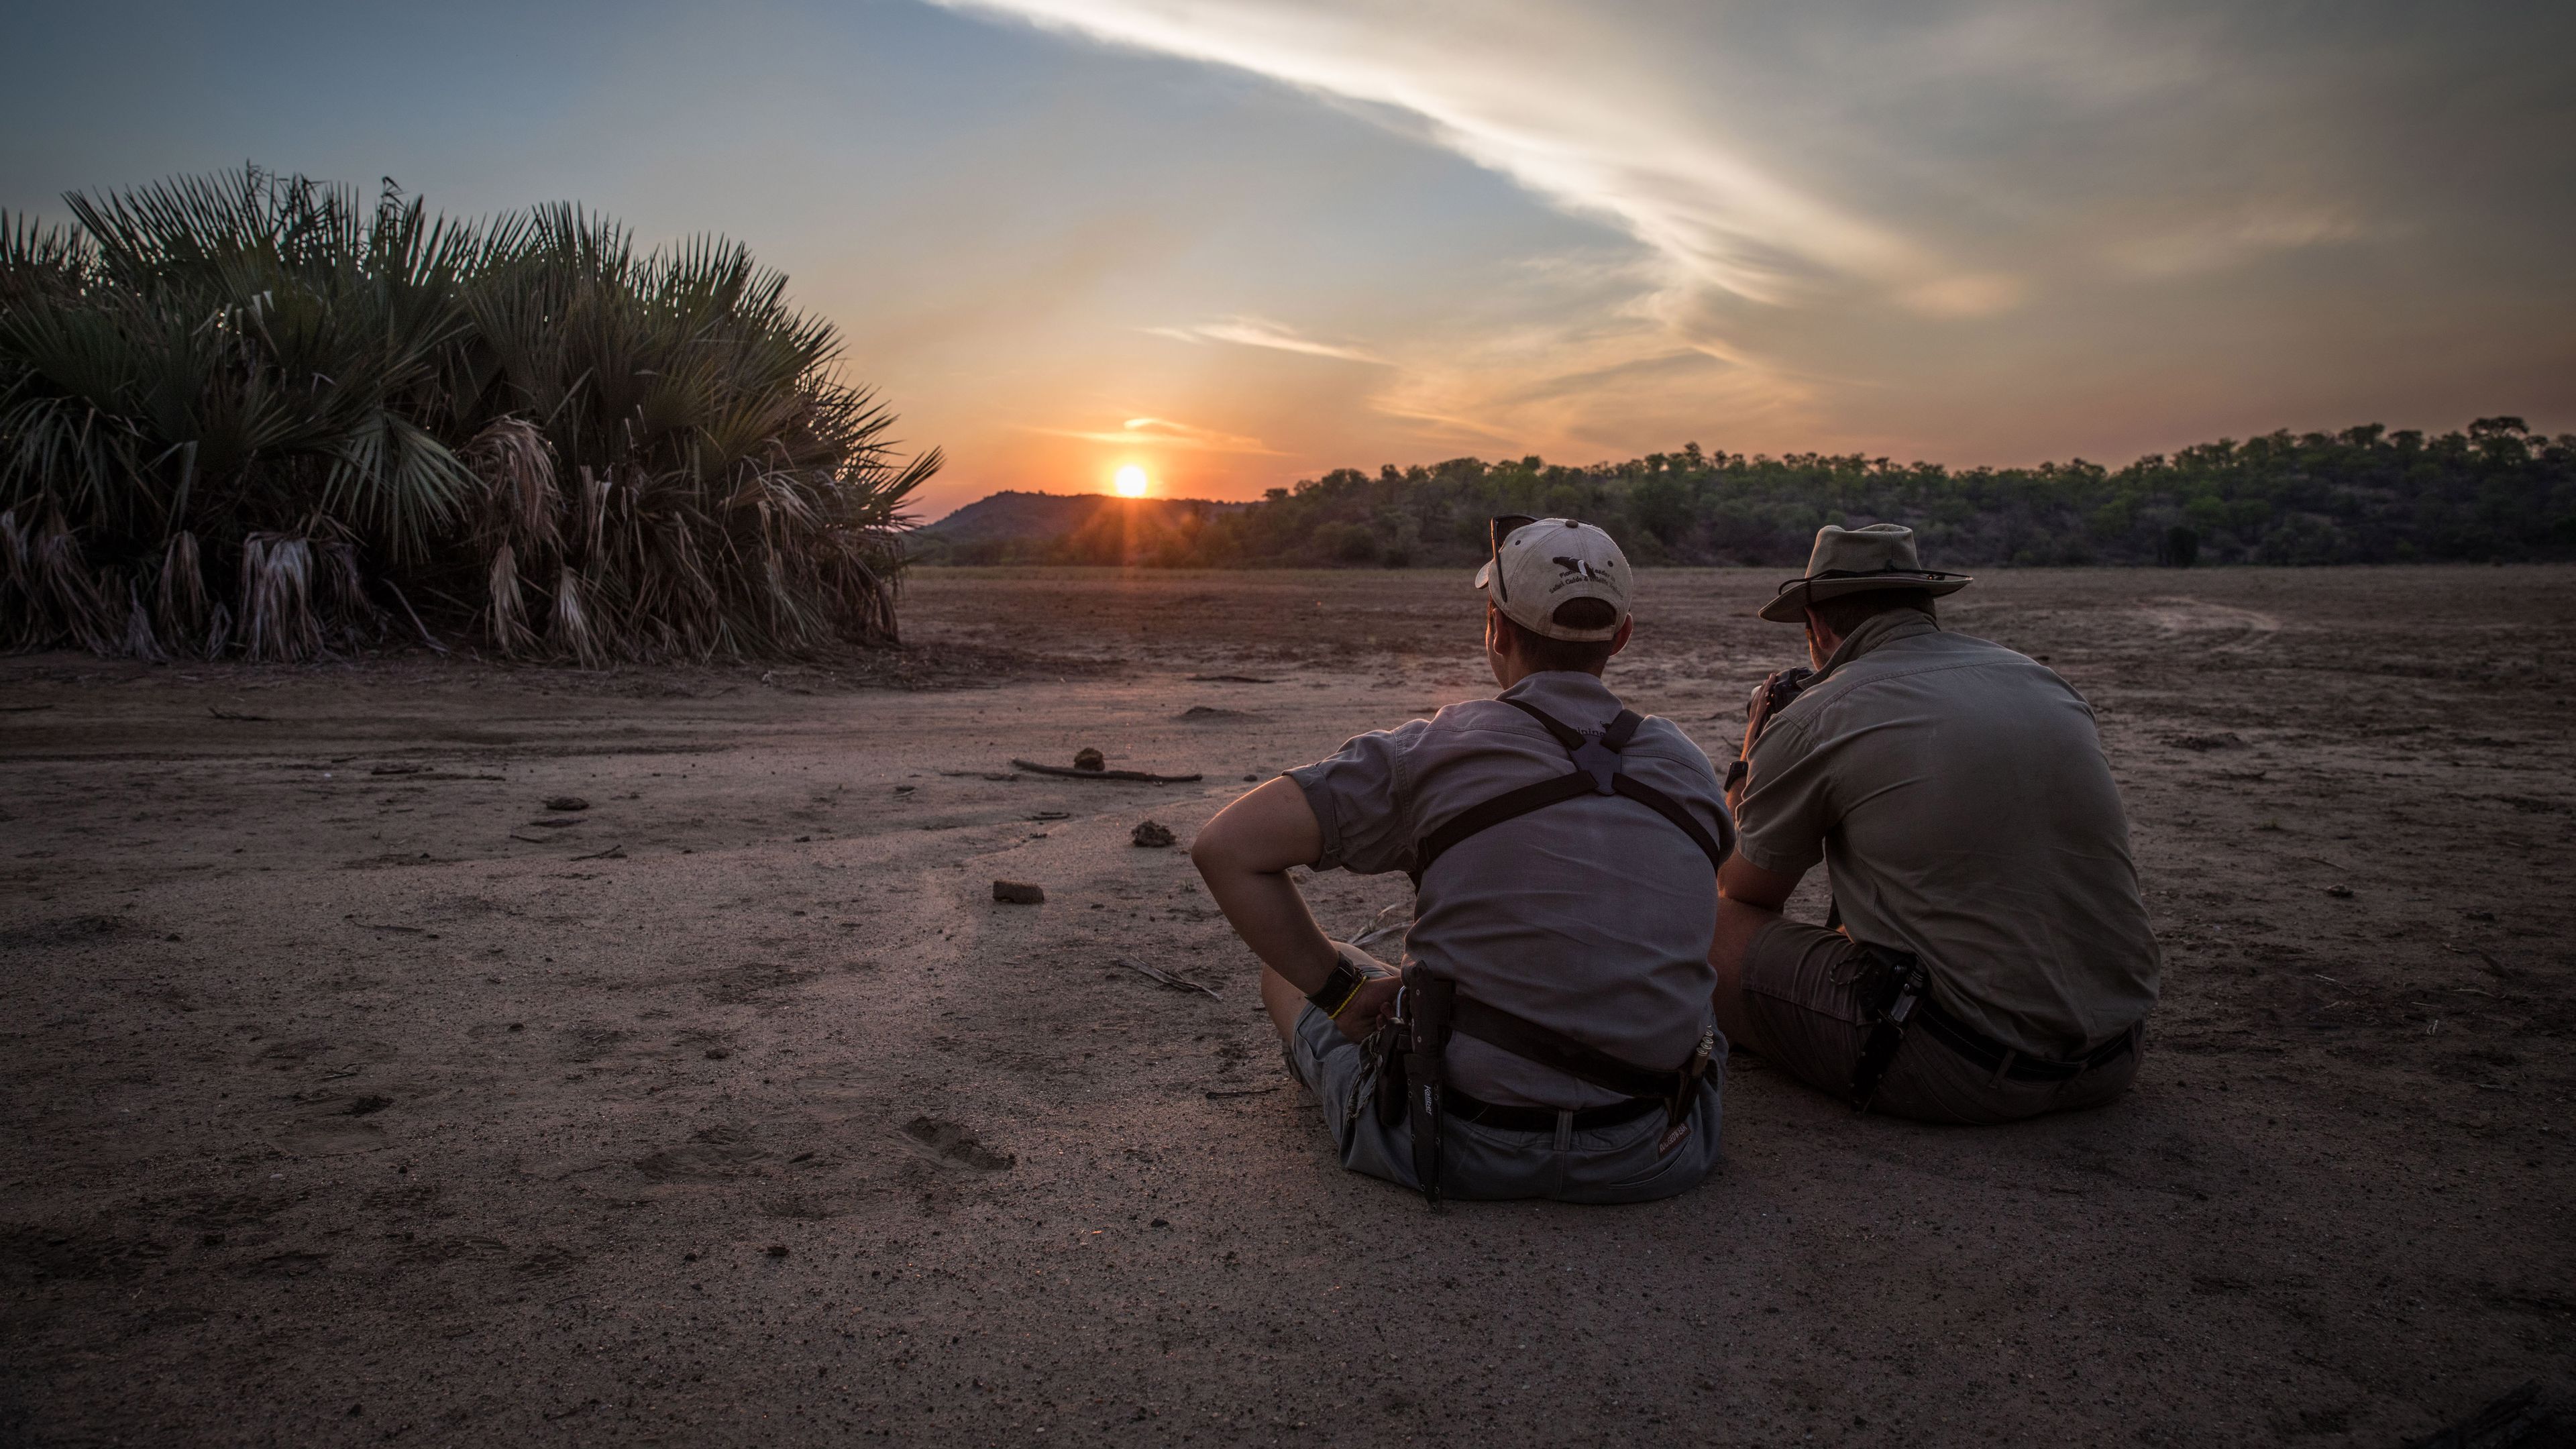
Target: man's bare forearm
(1266,910)
(1245,854)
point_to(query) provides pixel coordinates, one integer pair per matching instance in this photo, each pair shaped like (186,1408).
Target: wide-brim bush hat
(1856,561)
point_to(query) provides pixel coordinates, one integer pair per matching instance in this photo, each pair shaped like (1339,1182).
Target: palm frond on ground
(254,414)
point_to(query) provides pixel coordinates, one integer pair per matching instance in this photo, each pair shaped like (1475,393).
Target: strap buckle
(1600,761)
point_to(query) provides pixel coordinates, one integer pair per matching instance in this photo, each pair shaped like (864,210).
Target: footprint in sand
(947,1142)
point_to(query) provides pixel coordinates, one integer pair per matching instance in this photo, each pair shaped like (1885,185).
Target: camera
(1780,689)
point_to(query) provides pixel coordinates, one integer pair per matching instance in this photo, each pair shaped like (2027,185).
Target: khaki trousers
(1802,994)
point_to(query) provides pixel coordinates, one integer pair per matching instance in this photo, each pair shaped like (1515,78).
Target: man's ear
(1619,640)
(1821,633)
(1497,638)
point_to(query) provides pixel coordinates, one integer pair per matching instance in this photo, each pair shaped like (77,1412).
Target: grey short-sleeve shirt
(1959,795)
(1592,916)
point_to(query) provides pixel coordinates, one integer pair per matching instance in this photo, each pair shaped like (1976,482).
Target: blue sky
(1242,243)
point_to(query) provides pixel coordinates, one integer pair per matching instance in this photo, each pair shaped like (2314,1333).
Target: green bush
(252,414)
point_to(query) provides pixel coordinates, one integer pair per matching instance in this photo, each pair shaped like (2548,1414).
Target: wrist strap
(1335,994)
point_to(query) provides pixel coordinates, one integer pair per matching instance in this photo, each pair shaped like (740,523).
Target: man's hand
(1757,710)
(1757,713)
(1373,1005)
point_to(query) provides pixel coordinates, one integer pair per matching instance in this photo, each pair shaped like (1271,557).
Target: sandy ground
(350,1094)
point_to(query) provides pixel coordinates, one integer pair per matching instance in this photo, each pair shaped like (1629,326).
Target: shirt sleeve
(1363,798)
(1782,819)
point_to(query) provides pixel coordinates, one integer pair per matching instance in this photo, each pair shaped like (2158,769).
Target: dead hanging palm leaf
(572,633)
(140,642)
(517,467)
(340,595)
(63,590)
(17,597)
(278,621)
(594,511)
(180,603)
(508,614)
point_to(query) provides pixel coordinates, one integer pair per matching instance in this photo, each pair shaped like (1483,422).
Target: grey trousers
(1611,1164)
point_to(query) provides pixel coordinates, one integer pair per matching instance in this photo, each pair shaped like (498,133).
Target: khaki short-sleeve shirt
(1592,915)
(1958,793)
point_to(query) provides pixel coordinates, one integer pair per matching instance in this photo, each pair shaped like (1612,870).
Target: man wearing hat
(1993,960)
(1552,1035)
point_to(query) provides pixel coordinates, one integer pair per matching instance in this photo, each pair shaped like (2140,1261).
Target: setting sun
(1131,482)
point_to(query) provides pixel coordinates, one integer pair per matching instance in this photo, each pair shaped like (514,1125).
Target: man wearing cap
(1556,980)
(1993,960)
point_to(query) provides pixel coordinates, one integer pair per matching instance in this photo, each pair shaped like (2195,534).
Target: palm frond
(263,388)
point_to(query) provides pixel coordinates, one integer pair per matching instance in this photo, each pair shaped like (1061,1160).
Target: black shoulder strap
(1596,772)
(1486,814)
(1674,811)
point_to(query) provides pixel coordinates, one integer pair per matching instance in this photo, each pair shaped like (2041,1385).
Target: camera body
(1782,688)
(1773,697)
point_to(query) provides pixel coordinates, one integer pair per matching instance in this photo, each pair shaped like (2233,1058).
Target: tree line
(2496,492)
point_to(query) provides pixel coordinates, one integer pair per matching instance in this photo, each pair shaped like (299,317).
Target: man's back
(1967,816)
(1592,915)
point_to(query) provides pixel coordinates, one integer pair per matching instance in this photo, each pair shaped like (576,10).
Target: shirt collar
(1578,698)
(1874,631)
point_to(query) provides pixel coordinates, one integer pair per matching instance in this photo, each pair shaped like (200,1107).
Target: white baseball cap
(1539,563)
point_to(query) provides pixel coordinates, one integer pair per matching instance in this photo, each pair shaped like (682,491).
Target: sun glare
(1131,482)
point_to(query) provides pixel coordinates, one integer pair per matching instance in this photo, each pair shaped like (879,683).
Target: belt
(1984,1051)
(1541,1119)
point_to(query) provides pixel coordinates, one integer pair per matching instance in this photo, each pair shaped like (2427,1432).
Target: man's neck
(1512,678)
(1867,635)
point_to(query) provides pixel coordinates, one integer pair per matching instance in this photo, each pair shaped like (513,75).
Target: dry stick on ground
(1380,928)
(614,852)
(1167,978)
(1071,774)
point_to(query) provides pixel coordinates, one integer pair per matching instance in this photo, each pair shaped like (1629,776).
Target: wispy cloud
(1254,332)
(1568,106)
(2220,242)
(1165,433)
(1961,227)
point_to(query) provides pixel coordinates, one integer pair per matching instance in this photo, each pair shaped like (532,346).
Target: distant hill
(1017,527)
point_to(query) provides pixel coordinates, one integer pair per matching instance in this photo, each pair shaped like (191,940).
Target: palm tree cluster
(255,415)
